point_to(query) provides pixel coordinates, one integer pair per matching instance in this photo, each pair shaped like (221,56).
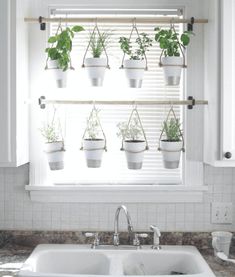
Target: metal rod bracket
(40,102)
(190,25)
(42,24)
(190,98)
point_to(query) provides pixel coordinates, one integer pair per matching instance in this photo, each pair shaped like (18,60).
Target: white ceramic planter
(134,153)
(135,72)
(93,150)
(172,73)
(55,155)
(59,75)
(171,151)
(96,70)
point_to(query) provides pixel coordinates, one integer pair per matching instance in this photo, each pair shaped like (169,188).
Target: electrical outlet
(221,213)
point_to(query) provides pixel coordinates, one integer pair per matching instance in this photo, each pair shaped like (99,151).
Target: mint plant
(62,46)
(170,42)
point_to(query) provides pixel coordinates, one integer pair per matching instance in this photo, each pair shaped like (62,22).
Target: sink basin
(51,260)
(162,263)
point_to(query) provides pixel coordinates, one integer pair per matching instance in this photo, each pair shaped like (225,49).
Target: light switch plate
(221,212)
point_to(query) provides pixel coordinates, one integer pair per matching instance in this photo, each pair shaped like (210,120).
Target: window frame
(188,191)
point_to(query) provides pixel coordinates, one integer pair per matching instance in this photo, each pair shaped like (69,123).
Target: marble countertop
(12,257)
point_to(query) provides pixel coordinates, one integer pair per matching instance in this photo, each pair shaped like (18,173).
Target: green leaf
(185,39)
(77,29)
(52,39)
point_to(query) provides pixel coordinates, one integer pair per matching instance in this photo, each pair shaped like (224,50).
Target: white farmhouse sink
(63,260)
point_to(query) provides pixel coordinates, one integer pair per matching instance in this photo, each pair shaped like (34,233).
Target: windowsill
(117,193)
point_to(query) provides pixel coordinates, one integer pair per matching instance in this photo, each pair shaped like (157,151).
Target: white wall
(18,212)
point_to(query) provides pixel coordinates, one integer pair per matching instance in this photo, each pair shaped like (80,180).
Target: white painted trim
(116,193)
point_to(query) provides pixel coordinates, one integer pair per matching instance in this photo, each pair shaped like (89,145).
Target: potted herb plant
(96,65)
(58,55)
(172,145)
(133,142)
(135,65)
(172,46)
(93,144)
(54,145)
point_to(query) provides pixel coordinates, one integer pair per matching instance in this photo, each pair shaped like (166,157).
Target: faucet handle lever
(155,229)
(136,241)
(89,235)
(143,235)
(96,239)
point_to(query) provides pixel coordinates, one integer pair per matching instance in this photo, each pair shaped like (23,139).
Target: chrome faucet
(116,224)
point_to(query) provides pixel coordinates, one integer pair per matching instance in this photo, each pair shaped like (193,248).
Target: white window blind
(73,117)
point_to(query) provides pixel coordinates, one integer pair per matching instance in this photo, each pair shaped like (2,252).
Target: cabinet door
(228,80)
(5,84)
(13,84)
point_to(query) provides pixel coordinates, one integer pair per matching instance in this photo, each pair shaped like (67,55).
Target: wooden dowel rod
(150,20)
(125,102)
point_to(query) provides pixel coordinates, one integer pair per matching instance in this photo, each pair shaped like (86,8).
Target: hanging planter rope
(135,111)
(96,28)
(134,29)
(94,111)
(59,30)
(60,133)
(181,50)
(171,111)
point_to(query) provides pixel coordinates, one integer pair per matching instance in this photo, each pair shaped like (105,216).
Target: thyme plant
(133,132)
(50,131)
(142,43)
(93,126)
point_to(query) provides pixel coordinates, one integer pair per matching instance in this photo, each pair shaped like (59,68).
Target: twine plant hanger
(135,111)
(94,111)
(172,27)
(134,28)
(96,28)
(171,111)
(59,29)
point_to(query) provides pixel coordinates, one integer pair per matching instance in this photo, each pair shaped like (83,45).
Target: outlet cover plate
(221,213)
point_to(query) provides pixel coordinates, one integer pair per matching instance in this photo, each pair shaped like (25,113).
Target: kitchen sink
(54,260)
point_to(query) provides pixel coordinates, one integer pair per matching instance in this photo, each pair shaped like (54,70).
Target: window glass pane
(73,117)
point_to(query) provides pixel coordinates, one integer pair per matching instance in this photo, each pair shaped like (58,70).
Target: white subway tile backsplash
(18,212)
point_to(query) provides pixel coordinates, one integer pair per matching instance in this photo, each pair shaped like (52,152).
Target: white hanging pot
(134,72)
(55,155)
(93,149)
(96,70)
(172,67)
(171,151)
(59,75)
(134,150)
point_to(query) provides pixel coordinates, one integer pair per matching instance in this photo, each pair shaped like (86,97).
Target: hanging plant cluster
(134,141)
(172,57)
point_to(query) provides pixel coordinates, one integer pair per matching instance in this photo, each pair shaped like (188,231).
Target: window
(73,117)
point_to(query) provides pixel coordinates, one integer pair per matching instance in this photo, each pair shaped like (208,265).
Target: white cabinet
(13,84)
(228,80)
(219,132)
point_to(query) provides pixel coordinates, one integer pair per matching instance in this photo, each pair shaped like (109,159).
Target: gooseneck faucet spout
(116,224)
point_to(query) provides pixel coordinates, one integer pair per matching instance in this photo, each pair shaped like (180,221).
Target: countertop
(12,257)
